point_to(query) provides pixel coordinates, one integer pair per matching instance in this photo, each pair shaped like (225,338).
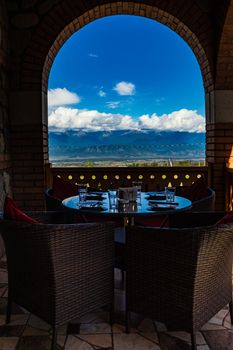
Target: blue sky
(126,66)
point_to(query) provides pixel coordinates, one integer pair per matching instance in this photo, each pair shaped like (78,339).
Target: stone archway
(29,96)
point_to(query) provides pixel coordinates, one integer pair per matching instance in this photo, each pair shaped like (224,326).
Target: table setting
(127,201)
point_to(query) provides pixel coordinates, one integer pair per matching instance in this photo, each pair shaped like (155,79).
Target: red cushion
(12,212)
(154,221)
(63,189)
(196,191)
(227,219)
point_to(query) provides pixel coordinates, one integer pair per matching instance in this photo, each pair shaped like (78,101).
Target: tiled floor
(27,332)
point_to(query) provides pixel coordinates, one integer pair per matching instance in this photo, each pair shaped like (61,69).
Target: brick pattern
(224,65)
(48,24)
(163,16)
(5,162)
(219,151)
(38,29)
(29,156)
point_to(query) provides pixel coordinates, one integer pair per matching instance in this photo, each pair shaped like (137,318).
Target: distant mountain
(122,145)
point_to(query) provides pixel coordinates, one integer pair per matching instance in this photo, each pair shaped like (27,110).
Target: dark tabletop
(148,205)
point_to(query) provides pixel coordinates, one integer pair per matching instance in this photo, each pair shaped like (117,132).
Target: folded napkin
(161,207)
(128,193)
(156,196)
(152,202)
(92,208)
(94,196)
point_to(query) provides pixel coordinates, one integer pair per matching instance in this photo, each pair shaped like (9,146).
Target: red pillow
(227,219)
(63,189)
(12,212)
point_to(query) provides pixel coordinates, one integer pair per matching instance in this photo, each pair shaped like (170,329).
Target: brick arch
(44,57)
(224,62)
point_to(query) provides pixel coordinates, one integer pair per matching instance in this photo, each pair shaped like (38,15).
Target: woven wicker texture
(59,271)
(181,277)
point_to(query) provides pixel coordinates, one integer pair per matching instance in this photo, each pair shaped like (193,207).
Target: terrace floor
(27,332)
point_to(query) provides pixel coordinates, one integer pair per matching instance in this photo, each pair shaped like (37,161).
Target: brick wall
(219,152)
(5,163)
(38,29)
(29,156)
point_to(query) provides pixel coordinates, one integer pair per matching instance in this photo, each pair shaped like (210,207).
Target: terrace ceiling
(39,27)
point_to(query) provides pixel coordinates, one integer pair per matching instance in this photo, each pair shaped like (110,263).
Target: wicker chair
(205,204)
(52,203)
(172,275)
(58,271)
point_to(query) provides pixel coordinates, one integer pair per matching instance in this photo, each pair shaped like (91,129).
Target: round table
(140,208)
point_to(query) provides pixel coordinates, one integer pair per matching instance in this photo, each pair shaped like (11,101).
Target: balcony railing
(153,178)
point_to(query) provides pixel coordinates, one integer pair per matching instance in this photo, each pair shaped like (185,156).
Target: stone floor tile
(3,276)
(11,331)
(73,343)
(227,322)
(219,340)
(7,343)
(218,318)
(5,294)
(34,331)
(16,320)
(203,347)
(211,327)
(167,342)
(146,325)
(185,336)
(36,322)
(99,340)
(35,343)
(15,308)
(133,341)
(150,336)
(118,328)
(3,263)
(95,328)
(2,290)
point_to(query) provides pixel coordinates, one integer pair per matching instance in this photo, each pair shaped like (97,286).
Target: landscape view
(141,103)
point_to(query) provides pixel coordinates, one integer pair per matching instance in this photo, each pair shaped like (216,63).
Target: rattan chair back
(58,271)
(181,277)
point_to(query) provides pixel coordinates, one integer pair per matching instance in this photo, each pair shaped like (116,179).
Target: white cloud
(182,120)
(113,104)
(69,118)
(102,93)
(93,55)
(62,97)
(63,119)
(125,89)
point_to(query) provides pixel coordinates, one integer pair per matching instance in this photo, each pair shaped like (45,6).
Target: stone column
(29,131)
(219,140)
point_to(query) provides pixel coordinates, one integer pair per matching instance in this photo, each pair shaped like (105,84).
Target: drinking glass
(170,194)
(82,191)
(138,185)
(112,196)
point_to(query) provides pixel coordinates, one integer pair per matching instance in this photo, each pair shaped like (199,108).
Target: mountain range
(125,145)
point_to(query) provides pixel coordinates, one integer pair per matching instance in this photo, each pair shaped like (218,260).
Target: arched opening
(46,40)
(126,91)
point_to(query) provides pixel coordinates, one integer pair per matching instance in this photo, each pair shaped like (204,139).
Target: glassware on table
(82,191)
(138,185)
(170,194)
(112,196)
